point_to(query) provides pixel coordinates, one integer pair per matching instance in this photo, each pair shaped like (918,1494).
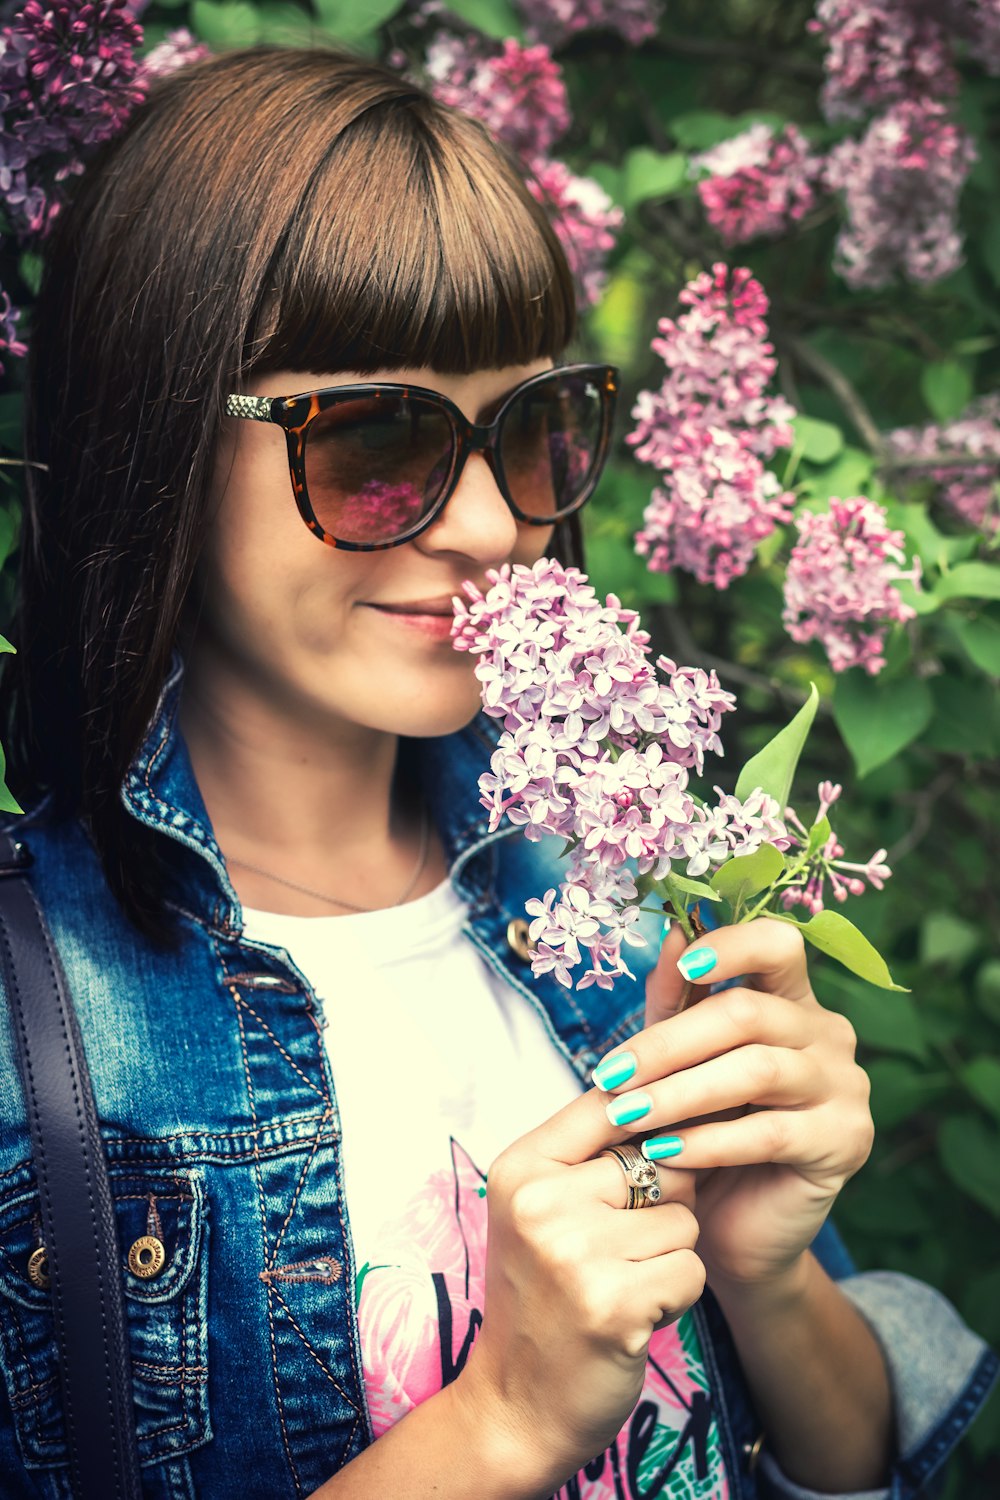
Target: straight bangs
(415,243)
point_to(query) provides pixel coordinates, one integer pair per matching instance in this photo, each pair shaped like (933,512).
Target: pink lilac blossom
(880,52)
(517,92)
(68,80)
(710,428)
(597,750)
(557,20)
(840,583)
(901,184)
(177,49)
(806,887)
(759,183)
(583,217)
(968,489)
(9,341)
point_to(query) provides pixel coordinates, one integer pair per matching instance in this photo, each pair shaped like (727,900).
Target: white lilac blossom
(710,428)
(758,183)
(598,750)
(969,488)
(840,582)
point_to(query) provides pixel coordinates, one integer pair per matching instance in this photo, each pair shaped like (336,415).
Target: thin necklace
(425,838)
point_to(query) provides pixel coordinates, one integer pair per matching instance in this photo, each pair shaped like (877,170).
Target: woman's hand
(575,1286)
(761,1085)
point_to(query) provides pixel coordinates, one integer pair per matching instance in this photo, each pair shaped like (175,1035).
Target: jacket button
(147,1256)
(38,1268)
(518,940)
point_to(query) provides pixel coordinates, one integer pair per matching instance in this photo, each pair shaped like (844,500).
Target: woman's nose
(477,520)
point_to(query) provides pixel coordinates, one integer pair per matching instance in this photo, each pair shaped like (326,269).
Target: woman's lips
(430,617)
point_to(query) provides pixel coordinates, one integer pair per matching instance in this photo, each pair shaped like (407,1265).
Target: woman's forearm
(817,1377)
(447,1450)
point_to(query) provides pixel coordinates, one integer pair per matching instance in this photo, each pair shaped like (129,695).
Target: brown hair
(263,209)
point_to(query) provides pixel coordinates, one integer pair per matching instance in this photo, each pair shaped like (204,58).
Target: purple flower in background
(517,92)
(969,490)
(760,182)
(177,49)
(557,20)
(68,80)
(880,52)
(9,341)
(900,185)
(840,582)
(709,428)
(583,217)
(597,750)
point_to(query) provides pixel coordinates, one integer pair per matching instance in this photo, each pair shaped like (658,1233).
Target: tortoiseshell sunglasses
(373,466)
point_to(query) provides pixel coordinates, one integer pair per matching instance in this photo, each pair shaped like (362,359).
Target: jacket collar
(160,790)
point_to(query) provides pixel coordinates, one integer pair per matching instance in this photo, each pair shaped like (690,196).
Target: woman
(319,1056)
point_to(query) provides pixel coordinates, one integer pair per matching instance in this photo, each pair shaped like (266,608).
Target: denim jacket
(220,1122)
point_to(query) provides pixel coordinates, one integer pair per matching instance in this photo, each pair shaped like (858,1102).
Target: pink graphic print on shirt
(420,1309)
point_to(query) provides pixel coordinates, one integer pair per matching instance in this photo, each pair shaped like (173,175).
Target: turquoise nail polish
(627,1108)
(661,1147)
(697,962)
(613,1071)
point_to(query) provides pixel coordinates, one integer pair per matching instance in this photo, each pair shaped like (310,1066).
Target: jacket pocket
(162,1235)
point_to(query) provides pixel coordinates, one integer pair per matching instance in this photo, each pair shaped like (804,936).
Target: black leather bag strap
(77,1213)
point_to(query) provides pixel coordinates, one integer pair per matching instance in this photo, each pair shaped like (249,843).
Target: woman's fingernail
(666,931)
(613,1071)
(661,1147)
(628,1108)
(697,962)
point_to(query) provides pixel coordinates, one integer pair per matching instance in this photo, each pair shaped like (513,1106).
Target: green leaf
(899,1090)
(496,18)
(5,645)
(935,550)
(834,935)
(748,874)
(820,442)
(894,1025)
(693,888)
(947,941)
(947,388)
(877,719)
(970,580)
(979,636)
(773,768)
(981,1077)
(987,988)
(29,269)
(849,474)
(231,23)
(7,801)
(350,20)
(818,835)
(652,174)
(286,24)
(969,1148)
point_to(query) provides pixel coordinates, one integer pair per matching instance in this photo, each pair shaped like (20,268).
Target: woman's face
(337,637)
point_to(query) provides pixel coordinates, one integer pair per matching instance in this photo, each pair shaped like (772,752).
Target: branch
(762,58)
(688,649)
(946,459)
(838,383)
(924,802)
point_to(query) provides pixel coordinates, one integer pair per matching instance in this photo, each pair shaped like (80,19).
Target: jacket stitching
(323,1366)
(298,1189)
(274,1040)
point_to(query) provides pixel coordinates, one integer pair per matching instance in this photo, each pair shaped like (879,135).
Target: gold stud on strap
(147,1257)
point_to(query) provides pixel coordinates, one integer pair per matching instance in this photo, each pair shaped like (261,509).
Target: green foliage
(773,768)
(739,879)
(833,934)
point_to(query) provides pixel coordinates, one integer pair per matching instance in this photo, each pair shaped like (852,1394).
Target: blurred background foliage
(916,746)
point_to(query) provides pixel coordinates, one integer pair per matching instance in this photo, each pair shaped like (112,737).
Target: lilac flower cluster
(970,489)
(759,183)
(901,184)
(67,82)
(597,750)
(805,886)
(557,20)
(880,52)
(709,428)
(9,341)
(839,583)
(177,49)
(517,92)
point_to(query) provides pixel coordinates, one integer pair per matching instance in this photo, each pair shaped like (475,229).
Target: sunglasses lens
(375,465)
(552,444)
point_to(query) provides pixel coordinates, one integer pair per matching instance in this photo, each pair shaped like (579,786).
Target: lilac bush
(758,183)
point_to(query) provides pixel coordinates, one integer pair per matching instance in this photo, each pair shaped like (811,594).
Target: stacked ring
(640,1175)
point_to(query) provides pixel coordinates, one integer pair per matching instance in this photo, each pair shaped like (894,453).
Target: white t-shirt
(438,1064)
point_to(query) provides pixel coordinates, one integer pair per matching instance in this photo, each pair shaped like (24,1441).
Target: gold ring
(640,1175)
